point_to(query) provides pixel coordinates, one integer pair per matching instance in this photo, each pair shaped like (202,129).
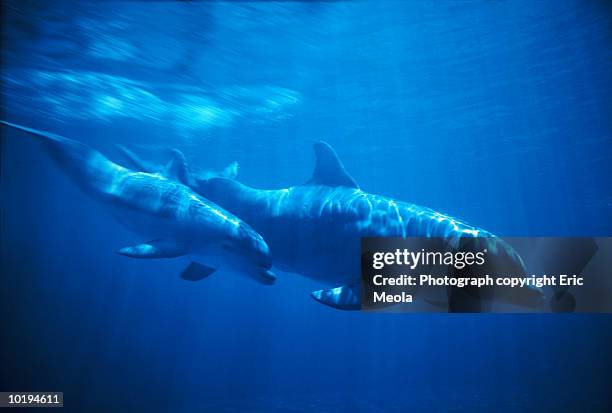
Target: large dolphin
(315,229)
(174,219)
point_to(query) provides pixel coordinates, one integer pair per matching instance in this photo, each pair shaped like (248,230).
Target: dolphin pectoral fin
(196,272)
(329,170)
(158,248)
(347,297)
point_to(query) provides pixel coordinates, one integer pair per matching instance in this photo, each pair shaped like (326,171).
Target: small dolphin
(315,229)
(177,221)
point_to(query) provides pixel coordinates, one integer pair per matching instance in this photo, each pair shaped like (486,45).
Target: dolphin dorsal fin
(329,170)
(176,169)
(230,171)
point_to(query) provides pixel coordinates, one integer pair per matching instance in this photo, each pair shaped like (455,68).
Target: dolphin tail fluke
(347,297)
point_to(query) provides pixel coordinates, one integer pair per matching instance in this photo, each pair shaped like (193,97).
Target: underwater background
(495,112)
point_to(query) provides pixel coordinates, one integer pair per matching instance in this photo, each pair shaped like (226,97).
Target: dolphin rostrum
(315,229)
(177,221)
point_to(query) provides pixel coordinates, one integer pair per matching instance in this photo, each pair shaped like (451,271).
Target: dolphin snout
(256,252)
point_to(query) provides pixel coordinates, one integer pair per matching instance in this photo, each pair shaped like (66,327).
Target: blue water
(498,113)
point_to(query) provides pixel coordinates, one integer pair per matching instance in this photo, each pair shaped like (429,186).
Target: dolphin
(315,229)
(174,219)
